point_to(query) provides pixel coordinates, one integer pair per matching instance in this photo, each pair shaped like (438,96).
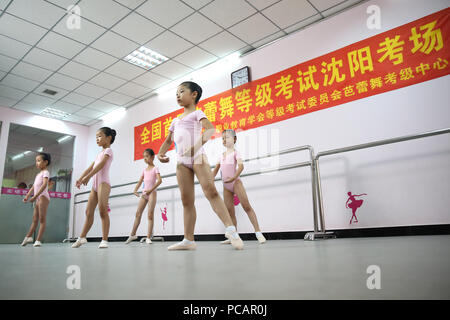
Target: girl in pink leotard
(152,179)
(101,186)
(232,184)
(40,197)
(186,131)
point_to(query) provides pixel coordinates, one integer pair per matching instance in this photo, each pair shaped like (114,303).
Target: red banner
(23,192)
(407,55)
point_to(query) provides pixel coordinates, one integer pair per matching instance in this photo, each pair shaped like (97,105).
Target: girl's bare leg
(43,206)
(103,195)
(151,213)
(242,195)
(35,221)
(185,178)
(228,198)
(204,176)
(137,220)
(90,208)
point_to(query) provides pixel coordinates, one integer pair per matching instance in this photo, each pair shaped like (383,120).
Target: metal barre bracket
(323,233)
(302,164)
(152,238)
(311,236)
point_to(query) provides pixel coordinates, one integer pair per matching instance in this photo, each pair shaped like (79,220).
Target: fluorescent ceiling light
(62,139)
(17,156)
(54,113)
(145,58)
(114,115)
(21,155)
(40,149)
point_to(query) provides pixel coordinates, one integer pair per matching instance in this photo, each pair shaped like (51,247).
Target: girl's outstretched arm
(96,169)
(41,189)
(158,182)
(85,173)
(238,171)
(138,185)
(240,167)
(206,135)
(28,194)
(164,147)
(209,130)
(215,170)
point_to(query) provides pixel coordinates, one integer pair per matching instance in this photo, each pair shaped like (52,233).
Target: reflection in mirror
(24,143)
(20,171)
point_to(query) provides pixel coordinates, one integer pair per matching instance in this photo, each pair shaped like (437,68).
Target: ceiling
(85,66)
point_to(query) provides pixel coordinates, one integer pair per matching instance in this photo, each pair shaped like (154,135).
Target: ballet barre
(316,234)
(314,163)
(359,147)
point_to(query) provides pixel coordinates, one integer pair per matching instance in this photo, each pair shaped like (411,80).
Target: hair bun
(113,132)
(46,157)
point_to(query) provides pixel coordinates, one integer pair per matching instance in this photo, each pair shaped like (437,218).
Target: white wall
(8,116)
(407,183)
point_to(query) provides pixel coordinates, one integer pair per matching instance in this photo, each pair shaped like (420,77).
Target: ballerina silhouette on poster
(236,200)
(164,215)
(354,204)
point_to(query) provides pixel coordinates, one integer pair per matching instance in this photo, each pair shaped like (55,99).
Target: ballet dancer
(232,184)
(152,179)
(186,132)
(101,186)
(41,199)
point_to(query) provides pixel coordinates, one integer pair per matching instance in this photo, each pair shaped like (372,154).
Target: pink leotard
(149,177)
(38,181)
(103,175)
(186,132)
(228,168)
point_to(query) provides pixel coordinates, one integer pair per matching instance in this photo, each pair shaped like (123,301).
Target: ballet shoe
(79,242)
(182,246)
(103,244)
(130,238)
(26,241)
(237,243)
